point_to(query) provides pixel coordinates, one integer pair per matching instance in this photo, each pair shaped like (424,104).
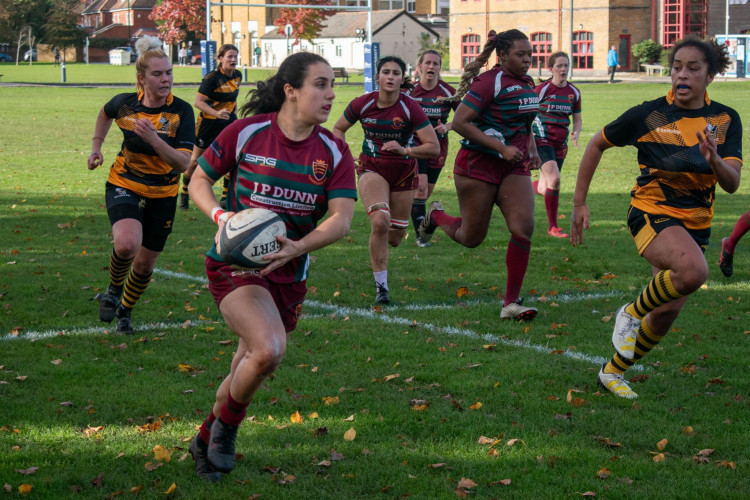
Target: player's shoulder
(718,108)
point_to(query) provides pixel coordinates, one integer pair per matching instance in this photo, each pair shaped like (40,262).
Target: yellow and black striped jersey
(221,91)
(137,166)
(675,179)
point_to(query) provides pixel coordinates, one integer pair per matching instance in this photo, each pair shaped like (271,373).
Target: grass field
(445,398)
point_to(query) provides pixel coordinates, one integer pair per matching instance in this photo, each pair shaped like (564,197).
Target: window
(338,50)
(470,48)
(541,48)
(390,4)
(583,49)
(411,6)
(684,17)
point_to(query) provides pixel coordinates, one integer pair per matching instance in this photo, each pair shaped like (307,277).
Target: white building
(342,39)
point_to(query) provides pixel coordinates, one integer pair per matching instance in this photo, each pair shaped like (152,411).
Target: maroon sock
(447,223)
(535,185)
(205,430)
(742,226)
(551,202)
(233,411)
(516,262)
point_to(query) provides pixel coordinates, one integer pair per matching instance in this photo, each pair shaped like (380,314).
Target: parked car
(30,53)
(196,60)
(133,55)
(5,58)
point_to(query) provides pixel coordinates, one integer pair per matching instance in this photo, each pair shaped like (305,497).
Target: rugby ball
(250,235)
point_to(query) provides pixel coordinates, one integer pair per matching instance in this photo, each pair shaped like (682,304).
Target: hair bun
(146,43)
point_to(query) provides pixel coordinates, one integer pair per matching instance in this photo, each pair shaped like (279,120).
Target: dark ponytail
(268,96)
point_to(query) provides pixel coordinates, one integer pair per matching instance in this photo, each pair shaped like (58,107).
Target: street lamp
(361,34)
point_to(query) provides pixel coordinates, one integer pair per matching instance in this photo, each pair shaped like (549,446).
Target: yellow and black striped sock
(118,269)
(618,365)
(659,292)
(225,189)
(185,183)
(646,341)
(134,288)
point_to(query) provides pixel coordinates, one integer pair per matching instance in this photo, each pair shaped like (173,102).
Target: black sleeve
(624,131)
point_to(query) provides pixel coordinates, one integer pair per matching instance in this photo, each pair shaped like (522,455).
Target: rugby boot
(220,452)
(198,449)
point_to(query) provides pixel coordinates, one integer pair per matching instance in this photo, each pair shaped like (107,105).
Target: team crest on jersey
(319,170)
(571,98)
(712,129)
(163,124)
(398,122)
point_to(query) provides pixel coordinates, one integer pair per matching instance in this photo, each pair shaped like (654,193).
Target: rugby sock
(118,269)
(233,411)
(646,341)
(742,226)
(134,288)
(535,185)
(551,203)
(225,188)
(417,212)
(185,183)
(658,292)
(447,223)
(516,262)
(381,278)
(205,430)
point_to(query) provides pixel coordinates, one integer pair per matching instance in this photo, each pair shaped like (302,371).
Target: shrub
(647,52)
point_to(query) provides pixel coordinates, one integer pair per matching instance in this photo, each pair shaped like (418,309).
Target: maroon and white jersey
(556,105)
(432,102)
(295,179)
(505,107)
(398,122)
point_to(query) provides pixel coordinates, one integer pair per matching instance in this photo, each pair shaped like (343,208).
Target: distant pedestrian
(613,63)
(56,53)
(189,55)
(182,56)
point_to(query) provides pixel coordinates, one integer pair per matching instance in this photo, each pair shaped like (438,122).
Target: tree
(23,20)
(646,52)
(177,19)
(306,23)
(62,28)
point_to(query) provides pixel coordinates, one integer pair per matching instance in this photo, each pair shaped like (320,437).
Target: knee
(266,359)
(473,240)
(691,277)
(395,237)
(127,248)
(379,224)
(522,229)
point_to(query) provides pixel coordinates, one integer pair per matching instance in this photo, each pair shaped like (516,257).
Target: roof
(345,24)
(110,5)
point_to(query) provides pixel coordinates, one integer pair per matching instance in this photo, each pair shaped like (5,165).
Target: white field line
(362,313)
(34,336)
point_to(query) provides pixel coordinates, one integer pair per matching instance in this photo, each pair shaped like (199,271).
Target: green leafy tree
(22,21)
(61,29)
(647,52)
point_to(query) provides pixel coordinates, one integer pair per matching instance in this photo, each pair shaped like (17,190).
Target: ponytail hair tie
(491,36)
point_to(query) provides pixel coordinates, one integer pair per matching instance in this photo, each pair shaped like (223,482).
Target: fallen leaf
(466,483)
(325,463)
(296,418)
(391,377)
(503,482)
(514,441)
(56,361)
(161,454)
(136,489)
(485,440)
(728,465)
(437,466)
(28,471)
(603,473)
(97,482)
(152,466)
(587,494)
(687,430)
(659,457)
(476,406)
(329,401)
(350,434)
(25,489)
(462,291)
(171,489)
(662,444)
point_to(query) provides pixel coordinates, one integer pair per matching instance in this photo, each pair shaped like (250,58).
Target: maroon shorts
(488,168)
(399,173)
(288,297)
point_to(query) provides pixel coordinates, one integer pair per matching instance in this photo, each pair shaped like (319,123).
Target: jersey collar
(670,97)
(170,97)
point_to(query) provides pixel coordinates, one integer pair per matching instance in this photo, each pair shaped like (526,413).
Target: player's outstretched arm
(332,229)
(727,172)
(579,219)
(101,129)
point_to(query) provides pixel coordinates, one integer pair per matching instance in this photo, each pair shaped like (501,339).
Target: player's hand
(707,145)
(289,250)
(535,162)
(574,137)
(579,220)
(224,114)
(511,153)
(395,147)
(95,159)
(441,128)
(221,225)
(144,129)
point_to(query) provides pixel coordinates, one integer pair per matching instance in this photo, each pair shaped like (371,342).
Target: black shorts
(432,172)
(208,130)
(644,227)
(548,153)
(156,215)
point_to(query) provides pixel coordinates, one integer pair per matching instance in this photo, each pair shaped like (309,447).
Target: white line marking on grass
(567,297)
(34,336)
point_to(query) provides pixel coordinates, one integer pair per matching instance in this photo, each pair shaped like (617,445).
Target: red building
(121,20)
